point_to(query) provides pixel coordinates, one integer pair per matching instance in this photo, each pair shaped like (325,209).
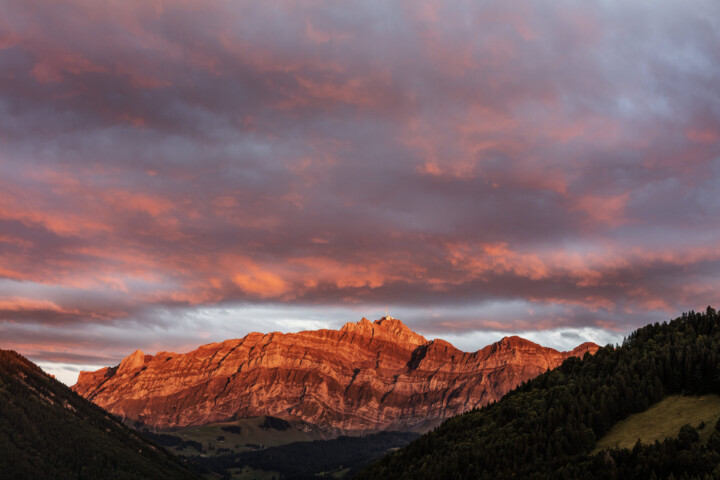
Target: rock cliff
(365,376)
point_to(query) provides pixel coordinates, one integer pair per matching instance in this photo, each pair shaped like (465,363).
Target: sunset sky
(174,173)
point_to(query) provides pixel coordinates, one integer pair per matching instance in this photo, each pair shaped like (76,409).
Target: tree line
(548,427)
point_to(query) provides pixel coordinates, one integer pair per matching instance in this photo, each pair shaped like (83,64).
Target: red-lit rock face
(365,376)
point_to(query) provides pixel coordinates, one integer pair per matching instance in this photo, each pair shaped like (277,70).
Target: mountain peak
(133,361)
(515,342)
(386,326)
(395,327)
(581,349)
(364,325)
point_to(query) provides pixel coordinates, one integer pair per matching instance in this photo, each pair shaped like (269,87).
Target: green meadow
(664,420)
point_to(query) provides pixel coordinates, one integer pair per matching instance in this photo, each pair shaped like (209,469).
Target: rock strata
(365,376)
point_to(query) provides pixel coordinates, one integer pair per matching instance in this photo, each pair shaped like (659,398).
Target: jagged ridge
(365,376)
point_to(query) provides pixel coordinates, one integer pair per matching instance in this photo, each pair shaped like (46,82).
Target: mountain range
(366,376)
(647,409)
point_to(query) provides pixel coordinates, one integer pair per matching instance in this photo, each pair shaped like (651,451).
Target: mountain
(551,427)
(47,431)
(366,376)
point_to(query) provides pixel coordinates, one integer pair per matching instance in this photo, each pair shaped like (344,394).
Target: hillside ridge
(47,431)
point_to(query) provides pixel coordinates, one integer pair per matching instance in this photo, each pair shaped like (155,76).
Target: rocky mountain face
(365,376)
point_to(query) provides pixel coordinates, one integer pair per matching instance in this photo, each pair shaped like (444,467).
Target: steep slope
(548,427)
(47,431)
(365,376)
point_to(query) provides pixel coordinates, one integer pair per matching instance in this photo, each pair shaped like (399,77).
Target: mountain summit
(366,376)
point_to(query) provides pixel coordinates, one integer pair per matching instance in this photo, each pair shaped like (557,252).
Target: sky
(175,173)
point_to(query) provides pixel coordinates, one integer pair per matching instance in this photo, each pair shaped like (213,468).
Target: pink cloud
(177,156)
(703,135)
(53,66)
(609,211)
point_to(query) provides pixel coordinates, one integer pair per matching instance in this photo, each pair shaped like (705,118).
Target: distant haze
(174,173)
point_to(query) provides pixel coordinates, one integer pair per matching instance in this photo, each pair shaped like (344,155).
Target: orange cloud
(603,210)
(703,135)
(260,283)
(60,222)
(153,205)
(53,66)
(17,304)
(478,260)
(342,274)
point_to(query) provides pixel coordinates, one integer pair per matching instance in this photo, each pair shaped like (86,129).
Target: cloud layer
(479,166)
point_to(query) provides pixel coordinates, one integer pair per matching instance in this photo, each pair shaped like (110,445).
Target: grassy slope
(251,432)
(663,420)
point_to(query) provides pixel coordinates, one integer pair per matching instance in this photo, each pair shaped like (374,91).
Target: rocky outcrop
(365,376)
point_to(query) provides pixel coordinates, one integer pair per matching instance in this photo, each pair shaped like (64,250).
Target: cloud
(473,160)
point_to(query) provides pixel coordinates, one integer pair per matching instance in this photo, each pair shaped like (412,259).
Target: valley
(259,448)
(238,436)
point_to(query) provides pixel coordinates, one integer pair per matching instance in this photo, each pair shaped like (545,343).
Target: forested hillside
(47,431)
(548,427)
